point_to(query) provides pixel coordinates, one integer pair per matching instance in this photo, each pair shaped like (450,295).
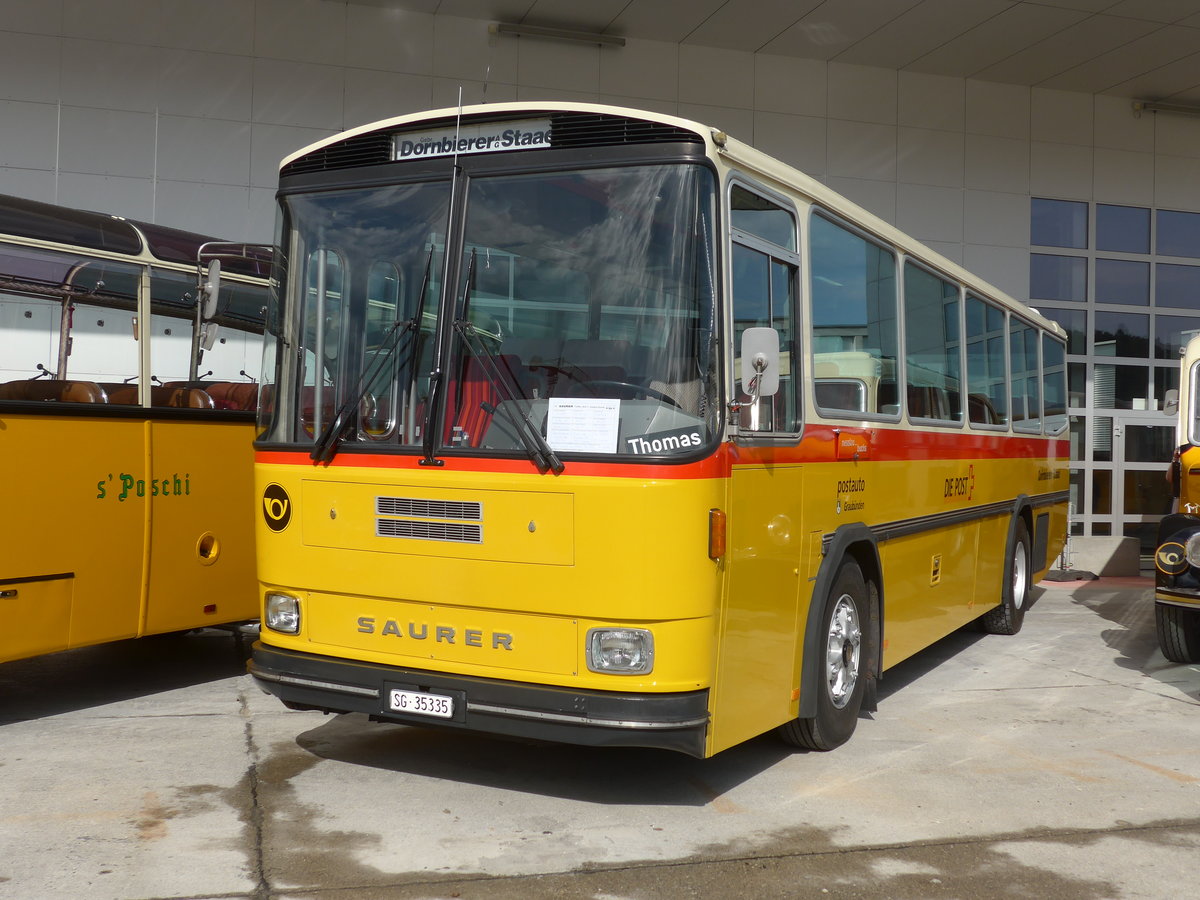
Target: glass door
(1129,491)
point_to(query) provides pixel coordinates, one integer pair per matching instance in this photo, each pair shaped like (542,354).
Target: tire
(844,667)
(1178,633)
(1009,616)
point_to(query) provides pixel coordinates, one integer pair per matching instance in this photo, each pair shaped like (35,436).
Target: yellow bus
(1177,562)
(127,467)
(600,426)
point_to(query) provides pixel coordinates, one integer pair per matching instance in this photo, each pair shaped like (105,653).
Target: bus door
(758,630)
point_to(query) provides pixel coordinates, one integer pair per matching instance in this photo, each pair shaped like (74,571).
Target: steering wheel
(628,390)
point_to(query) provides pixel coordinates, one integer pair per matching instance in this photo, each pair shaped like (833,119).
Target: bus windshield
(579,306)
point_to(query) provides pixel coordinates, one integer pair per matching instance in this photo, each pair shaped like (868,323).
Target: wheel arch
(1022,511)
(859,543)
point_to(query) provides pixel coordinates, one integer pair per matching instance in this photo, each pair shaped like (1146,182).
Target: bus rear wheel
(1009,616)
(843,666)
(1178,633)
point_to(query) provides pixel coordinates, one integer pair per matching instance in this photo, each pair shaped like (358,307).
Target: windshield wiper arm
(326,446)
(536,446)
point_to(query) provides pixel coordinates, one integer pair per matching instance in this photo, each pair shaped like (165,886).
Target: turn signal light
(716,533)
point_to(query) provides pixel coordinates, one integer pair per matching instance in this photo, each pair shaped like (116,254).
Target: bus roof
(719,144)
(48,222)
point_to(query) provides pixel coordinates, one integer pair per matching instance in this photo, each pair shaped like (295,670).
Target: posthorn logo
(277,507)
(1171,559)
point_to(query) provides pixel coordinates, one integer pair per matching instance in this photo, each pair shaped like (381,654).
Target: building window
(1059,223)
(1122,229)
(1057,277)
(1124,282)
(1178,234)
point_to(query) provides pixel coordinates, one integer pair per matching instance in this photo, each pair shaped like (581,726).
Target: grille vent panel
(453,532)
(361,150)
(458,530)
(574,129)
(417,508)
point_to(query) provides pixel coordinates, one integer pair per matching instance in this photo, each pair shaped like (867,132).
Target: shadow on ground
(95,676)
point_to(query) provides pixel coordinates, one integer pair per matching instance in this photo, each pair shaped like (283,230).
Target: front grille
(568,130)
(429,531)
(417,508)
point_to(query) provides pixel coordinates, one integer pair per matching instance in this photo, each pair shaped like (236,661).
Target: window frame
(902,283)
(775,254)
(1000,427)
(838,221)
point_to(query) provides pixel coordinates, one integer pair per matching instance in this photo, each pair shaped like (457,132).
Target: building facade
(178,112)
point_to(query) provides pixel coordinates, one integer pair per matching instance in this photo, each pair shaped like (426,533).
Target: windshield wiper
(500,380)
(326,446)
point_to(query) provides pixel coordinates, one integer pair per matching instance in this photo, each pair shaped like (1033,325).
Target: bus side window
(932,345)
(987,385)
(854,310)
(764,295)
(1026,376)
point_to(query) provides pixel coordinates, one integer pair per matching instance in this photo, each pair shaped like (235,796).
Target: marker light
(620,651)
(716,534)
(281,612)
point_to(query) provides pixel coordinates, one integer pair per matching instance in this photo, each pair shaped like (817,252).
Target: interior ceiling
(1146,49)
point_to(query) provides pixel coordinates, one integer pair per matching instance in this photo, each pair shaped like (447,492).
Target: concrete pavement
(1061,762)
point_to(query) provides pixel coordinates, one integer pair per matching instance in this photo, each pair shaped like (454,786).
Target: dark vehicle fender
(859,542)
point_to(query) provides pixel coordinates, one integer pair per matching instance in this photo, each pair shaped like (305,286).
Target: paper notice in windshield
(491,137)
(583,424)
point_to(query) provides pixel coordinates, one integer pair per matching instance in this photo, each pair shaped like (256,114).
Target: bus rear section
(128,471)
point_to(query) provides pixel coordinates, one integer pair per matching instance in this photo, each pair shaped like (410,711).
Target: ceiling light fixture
(1179,109)
(557,34)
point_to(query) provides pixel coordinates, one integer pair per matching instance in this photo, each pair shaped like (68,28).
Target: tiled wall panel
(180,111)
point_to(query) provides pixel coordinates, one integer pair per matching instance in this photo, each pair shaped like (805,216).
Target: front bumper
(1176,581)
(675,721)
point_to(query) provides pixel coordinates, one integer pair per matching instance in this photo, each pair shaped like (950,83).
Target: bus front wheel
(1178,633)
(843,665)
(1009,616)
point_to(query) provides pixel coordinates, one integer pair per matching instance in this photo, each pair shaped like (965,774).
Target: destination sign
(490,137)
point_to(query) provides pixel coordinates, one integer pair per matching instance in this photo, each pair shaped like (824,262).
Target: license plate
(420,703)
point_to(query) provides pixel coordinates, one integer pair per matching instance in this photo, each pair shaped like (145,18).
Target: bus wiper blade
(536,446)
(326,446)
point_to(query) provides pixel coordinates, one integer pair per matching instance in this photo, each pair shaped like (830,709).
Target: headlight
(1192,549)
(620,651)
(281,612)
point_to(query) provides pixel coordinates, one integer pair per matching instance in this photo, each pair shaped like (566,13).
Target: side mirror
(1171,402)
(760,362)
(209,336)
(210,290)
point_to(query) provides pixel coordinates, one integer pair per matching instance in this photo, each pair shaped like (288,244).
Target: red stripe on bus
(817,446)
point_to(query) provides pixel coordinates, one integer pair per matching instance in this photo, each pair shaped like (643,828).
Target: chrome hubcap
(1020,575)
(843,651)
